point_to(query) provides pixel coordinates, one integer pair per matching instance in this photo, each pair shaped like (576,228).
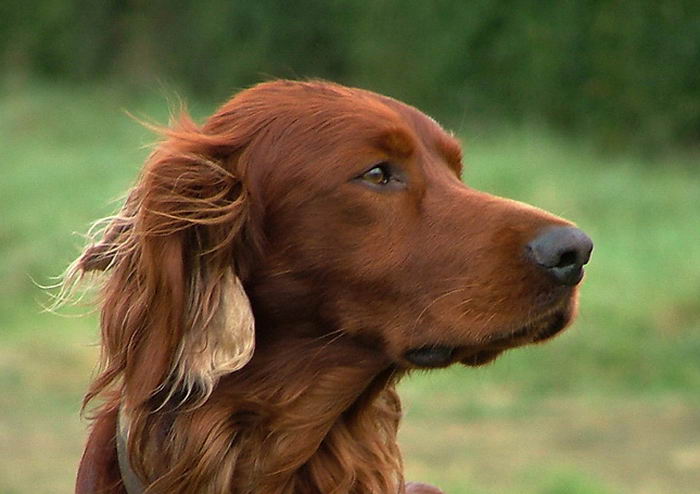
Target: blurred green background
(588,108)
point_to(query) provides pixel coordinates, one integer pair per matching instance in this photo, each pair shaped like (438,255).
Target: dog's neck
(318,394)
(310,415)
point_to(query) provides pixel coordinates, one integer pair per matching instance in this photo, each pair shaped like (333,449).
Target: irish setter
(276,271)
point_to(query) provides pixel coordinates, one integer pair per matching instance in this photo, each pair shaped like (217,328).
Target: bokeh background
(588,108)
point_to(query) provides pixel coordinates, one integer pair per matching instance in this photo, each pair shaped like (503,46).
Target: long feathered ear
(174,314)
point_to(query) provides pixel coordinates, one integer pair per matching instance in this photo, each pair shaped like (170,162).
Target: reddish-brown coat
(343,279)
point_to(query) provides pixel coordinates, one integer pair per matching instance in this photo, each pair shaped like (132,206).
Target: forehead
(323,122)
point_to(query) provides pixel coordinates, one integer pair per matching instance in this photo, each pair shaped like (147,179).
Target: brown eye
(378,175)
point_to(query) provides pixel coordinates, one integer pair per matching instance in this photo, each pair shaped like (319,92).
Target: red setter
(276,271)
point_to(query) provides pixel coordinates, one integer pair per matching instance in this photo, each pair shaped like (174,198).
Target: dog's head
(315,208)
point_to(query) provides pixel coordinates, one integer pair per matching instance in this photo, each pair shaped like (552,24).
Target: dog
(274,273)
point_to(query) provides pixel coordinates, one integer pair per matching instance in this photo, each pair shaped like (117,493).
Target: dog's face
(334,211)
(370,230)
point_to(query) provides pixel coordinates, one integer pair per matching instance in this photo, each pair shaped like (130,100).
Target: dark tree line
(626,71)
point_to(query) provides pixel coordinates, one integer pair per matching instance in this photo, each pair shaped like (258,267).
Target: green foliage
(624,71)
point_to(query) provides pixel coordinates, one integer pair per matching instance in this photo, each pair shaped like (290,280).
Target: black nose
(562,251)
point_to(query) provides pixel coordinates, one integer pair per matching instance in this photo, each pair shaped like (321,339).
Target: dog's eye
(377,175)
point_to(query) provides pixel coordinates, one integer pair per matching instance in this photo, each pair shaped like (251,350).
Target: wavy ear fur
(174,314)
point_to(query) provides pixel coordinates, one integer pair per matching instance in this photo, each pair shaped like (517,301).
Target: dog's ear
(174,315)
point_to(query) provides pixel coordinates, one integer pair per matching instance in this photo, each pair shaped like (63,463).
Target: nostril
(567,259)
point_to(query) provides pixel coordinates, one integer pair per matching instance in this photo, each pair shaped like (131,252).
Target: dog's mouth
(543,328)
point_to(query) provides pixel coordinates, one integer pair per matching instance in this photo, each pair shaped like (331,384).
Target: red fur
(260,213)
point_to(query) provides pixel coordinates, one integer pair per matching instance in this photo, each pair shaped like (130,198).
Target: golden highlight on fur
(260,300)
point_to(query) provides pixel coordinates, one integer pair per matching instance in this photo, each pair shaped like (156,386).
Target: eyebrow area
(396,142)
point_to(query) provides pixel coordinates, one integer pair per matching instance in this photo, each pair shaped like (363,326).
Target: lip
(542,328)
(536,331)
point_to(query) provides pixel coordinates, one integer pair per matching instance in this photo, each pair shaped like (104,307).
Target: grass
(609,407)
